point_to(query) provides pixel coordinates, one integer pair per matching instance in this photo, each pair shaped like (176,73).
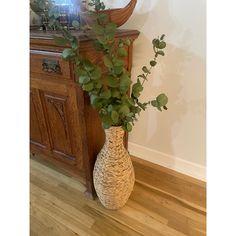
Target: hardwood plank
(186,188)
(175,211)
(122,220)
(40,197)
(112,226)
(43,224)
(170,202)
(53,175)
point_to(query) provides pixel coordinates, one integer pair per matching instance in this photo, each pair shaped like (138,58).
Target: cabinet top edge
(36,35)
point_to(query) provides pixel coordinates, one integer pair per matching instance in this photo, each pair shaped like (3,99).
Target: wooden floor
(58,206)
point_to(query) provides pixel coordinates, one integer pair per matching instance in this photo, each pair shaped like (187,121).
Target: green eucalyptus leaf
(112,82)
(162,37)
(156,43)
(124,110)
(97,45)
(118,70)
(106,121)
(138,110)
(106,94)
(131,101)
(125,82)
(107,62)
(102,40)
(103,18)
(109,35)
(162,45)
(153,63)
(135,109)
(162,100)
(88,65)
(93,99)
(106,125)
(131,114)
(74,43)
(115,116)
(80,71)
(128,127)
(84,79)
(154,103)
(110,28)
(88,87)
(67,34)
(145,70)
(75,24)
(60,40)
(98,84)
(115,93)
(142,105)
(110,108)
(161,53)
(118,62)
(96,73)
(122,52)
(127,42)
(121,44)
(68,54)
(97,29)
(137,89)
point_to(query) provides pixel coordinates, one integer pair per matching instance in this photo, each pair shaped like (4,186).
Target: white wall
(173,138)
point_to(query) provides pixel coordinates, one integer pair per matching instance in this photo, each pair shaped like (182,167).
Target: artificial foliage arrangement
(109,92)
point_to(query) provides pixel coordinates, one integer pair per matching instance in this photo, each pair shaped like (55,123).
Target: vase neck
(114,135)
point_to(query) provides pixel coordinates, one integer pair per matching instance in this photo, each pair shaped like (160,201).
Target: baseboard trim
(168,161)
(184,188)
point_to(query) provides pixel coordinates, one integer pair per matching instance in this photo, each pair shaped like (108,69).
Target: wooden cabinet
(64,129)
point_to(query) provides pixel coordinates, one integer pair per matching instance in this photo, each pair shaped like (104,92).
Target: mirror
(68,10)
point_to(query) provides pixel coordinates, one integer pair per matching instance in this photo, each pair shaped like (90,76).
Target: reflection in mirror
(68,10)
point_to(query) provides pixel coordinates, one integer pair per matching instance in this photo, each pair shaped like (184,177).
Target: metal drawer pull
(51,66)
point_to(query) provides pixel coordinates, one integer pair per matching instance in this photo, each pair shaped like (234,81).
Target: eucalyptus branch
(146,75)
(108,92)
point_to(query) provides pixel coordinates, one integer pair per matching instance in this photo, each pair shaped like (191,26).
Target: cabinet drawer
(49,64)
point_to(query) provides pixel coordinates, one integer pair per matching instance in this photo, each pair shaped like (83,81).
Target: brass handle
(51,66)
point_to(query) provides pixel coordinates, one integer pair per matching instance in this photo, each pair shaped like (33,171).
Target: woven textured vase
(113,173)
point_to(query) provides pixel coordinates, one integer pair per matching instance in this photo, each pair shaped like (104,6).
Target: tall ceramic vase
(113,173)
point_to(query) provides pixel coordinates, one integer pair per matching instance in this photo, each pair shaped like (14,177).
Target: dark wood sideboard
(64,129)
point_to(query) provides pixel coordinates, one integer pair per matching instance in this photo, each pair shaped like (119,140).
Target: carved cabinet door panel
(38,131)
(62,118)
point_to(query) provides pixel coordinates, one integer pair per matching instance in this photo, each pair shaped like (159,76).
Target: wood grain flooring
(184,188)
(58,206)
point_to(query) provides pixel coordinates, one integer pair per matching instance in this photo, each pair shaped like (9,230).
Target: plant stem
(149,71)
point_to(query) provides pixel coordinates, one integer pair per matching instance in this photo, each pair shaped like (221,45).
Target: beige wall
(175,138)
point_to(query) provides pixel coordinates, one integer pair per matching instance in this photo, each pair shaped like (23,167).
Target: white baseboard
(169,161)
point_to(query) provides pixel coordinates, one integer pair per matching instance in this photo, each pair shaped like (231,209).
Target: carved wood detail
(59,105)
(59,128)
